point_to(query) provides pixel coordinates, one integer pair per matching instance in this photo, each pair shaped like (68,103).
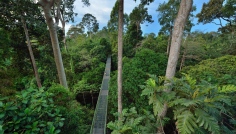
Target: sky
(101,9)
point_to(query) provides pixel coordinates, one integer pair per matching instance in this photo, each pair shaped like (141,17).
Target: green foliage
(61,95)
(151,62)
(199,46)
(186,122)
(112,24)
(82,86)
(219,9)
(75,30)
(78,118)
(157,44)
(133,123)
(91,79)
(218,71)
(132,37)
(209,123)
(86,62)
(90,22)
(196,106)
(32,111)
(139,15)
(6,60)
(171,9)
(135,73)
(145,2)
(157,96)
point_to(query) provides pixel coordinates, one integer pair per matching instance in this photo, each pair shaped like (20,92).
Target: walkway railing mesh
(100,114)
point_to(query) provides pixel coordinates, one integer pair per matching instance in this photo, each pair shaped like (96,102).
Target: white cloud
(67,26)
(100,9)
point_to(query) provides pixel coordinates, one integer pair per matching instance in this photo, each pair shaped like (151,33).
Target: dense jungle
(174,81)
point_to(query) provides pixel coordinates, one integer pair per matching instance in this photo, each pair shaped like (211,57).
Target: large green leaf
(186,123)
(206,121)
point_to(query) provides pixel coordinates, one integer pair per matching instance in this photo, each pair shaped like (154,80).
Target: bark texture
(184,10)
(31,54)
(120,52)
(46,5)
(180,21)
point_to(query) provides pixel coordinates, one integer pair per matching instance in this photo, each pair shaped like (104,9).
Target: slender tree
(52,12)
(112,24)
(90,23)
(184,10)
(63,12)
(52,26)
(12,13)
(31,53)
(167,13)
(180,21)
(75,30)
(120,52)
(139,15)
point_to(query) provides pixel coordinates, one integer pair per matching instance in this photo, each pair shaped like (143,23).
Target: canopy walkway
(100,114)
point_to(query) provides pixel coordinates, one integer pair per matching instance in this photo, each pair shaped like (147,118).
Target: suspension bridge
(100,114)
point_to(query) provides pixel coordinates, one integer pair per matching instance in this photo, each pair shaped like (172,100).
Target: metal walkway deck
(100,114)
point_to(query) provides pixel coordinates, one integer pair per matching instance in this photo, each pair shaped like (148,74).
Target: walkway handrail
(100,114)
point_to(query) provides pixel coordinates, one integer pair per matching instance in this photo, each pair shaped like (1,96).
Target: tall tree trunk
(184,10)
(46,5)
(31,54)
(169,41)
(120,52)
(59,16)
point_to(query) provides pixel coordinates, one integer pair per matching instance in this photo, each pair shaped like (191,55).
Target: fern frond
(200,130)
(152,99)
(167,96)
(223,98)
(161,80)
(186,102)
(232,121)
(115,126)
(125,128)
(206,121)
(154,77)
(124,113)
(191,81)
(147,91)
(194,102)
(115,132)
(133,110)
(186,123)
(226,130)
(195,94)
(178,101)
(137,121)
(178,111)
(227,89)
(151,82)
(157,107)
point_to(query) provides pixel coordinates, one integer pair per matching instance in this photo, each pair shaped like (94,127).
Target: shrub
(32,111)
